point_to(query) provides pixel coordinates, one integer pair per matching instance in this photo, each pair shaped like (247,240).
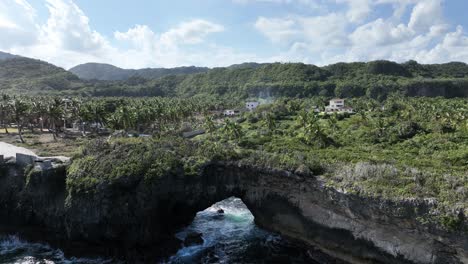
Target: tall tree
(19,108)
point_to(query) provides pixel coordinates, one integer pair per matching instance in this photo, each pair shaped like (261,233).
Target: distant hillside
(30,75)
(107,72)
(6,56)
(375,79)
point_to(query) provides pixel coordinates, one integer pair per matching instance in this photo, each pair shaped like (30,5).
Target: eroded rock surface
(132,214)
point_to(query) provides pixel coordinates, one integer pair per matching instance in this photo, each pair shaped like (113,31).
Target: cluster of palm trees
(24,112)
(142,115)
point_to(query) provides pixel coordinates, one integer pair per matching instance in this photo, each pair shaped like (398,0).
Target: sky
(212,33)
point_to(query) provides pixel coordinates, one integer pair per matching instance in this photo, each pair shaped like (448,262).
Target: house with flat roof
(337,105)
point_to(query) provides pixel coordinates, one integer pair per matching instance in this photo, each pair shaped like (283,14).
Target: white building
(251,105)
(230,112)
(338,105)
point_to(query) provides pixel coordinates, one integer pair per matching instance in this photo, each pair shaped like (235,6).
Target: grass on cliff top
(43,144)
(140,158)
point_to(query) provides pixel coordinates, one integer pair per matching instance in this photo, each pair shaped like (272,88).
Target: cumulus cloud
(315,4)
(358,9)
(350,35)
(352,32)
(67,38)
(276,29)
(425,14)
(192,32)
(17,25)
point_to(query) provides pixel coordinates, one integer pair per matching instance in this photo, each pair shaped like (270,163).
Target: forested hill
(373,79)
(107,72)
(24,75)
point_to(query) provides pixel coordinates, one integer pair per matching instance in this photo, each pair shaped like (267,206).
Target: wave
(15,250)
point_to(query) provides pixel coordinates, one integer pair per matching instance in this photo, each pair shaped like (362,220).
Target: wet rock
(193,238)
(220,211)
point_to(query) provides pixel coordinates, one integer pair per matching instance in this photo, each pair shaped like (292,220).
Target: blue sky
(147,33)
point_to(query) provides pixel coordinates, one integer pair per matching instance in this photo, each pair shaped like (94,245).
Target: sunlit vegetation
(397,145)
(400,148)
(375,79)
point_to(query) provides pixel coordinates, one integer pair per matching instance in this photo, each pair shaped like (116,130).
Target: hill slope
(107,72)
(6,56)
(375,79)
(29,75)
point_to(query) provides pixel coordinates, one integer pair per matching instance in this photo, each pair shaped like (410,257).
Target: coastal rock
(193,238)
(130,216)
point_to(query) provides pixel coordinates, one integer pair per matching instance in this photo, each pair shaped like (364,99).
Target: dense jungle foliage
(375,79)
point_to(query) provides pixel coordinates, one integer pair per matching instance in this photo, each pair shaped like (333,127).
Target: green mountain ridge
(375,79)
(108,72)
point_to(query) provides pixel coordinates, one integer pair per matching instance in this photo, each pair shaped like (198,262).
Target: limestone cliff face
(133,214)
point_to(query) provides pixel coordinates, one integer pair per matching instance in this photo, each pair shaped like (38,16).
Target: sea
(229,237)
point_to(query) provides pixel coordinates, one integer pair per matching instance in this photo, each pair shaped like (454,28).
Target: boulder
(193,238)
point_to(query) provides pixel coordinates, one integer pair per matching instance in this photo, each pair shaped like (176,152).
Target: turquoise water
(233,237)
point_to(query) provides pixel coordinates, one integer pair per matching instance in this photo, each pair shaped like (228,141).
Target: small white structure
(230,112)
(251,105)
(338,106)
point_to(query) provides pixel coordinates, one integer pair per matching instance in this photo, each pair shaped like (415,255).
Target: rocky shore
(130,215)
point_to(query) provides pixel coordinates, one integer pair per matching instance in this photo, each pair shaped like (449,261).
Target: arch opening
(229,235)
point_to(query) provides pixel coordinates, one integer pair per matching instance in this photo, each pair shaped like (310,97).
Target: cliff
(133,214)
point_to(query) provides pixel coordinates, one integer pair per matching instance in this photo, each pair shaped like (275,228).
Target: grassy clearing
(44,144)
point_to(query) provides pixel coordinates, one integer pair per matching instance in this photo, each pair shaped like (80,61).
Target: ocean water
(231,237)
(14,250)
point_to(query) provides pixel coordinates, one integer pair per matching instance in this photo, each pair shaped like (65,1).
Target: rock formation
(132,215)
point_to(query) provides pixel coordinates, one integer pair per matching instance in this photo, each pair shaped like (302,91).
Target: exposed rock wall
(133,214)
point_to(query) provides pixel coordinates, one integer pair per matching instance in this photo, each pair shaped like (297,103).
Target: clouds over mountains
(332,31)
(344,36)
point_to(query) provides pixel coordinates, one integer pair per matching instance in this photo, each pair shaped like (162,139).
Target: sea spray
(15,250)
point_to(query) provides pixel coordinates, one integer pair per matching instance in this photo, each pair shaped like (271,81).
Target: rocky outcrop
(133,215)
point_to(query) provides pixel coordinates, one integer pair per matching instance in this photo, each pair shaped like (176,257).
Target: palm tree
(209,124)
(5,111)
(270,122)
(55,112)
(19,109)
(333,123)
(232,129)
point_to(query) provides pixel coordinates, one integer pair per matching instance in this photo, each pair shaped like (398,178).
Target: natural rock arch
(131,214)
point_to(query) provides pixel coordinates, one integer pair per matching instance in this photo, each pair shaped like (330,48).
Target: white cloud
(67,38)
(325,31)
(17,26)
(425,14)
(192,32)
(141,36)
(345,35)
(68,28)
(314,4)
(379,33)
(351,32)
(358,9)
(276,29)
